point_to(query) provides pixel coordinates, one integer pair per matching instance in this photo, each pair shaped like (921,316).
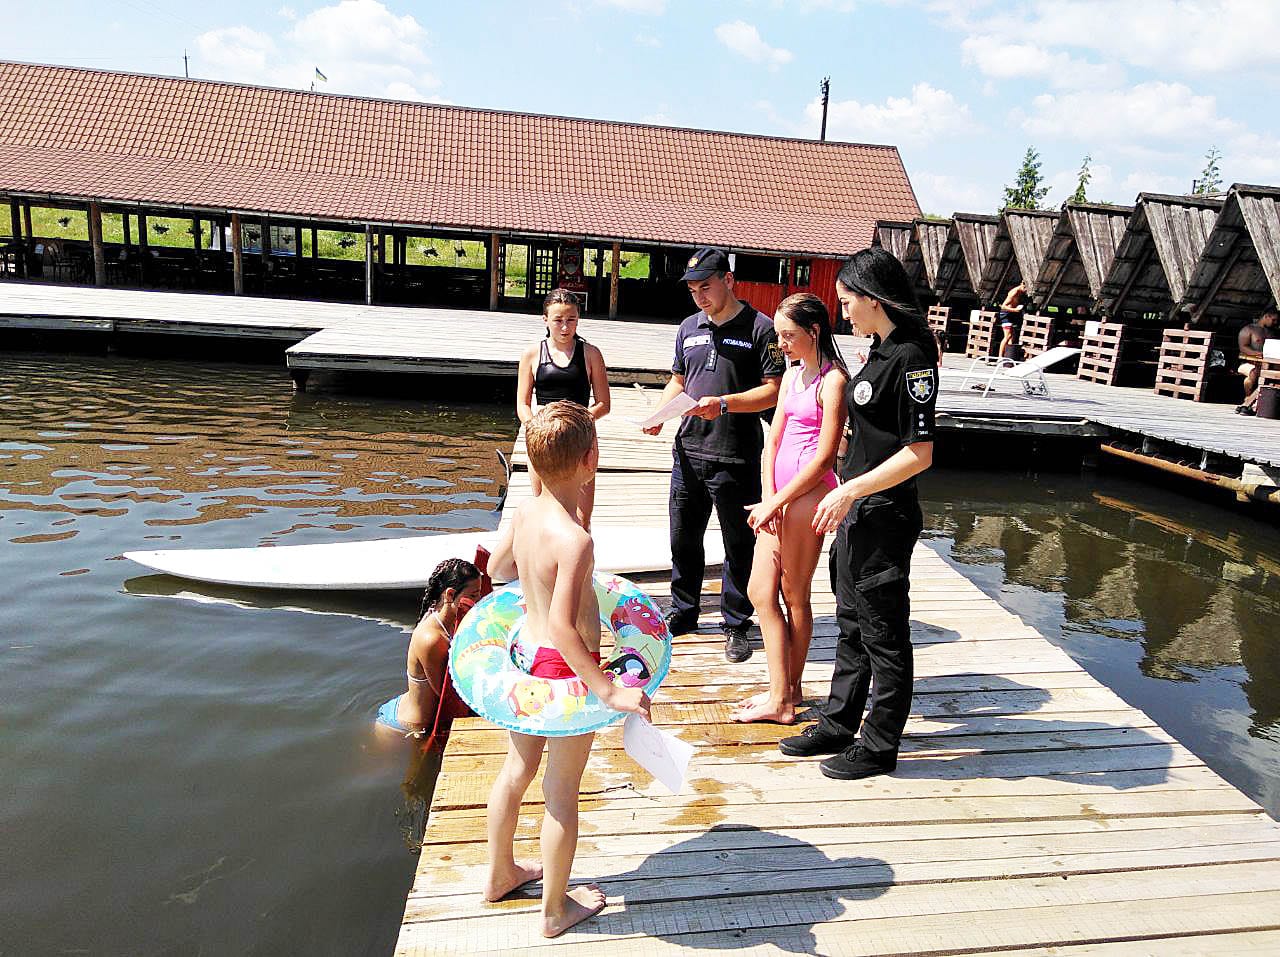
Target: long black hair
(876,273)
(452,573)
(807,310)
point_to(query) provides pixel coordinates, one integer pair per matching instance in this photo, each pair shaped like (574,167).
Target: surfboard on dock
(394,562)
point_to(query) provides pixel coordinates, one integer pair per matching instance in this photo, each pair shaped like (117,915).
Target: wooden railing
(1100,357)
(1183,370)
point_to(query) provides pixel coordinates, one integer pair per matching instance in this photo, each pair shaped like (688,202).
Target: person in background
(1010,319)
(799,452)
(1253,338)
(727,358)
(563,365)
(876,516)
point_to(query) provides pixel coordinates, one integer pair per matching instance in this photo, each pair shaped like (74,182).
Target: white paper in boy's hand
(659,752)
(673,409)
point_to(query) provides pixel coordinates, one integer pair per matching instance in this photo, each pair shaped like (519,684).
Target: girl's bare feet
(579,904)
(754,701)
(783,714)
(500,884)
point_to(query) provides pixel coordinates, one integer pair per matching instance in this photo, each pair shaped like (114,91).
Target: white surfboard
(393,562)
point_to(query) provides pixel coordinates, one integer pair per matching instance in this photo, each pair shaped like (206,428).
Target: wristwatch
(724,406)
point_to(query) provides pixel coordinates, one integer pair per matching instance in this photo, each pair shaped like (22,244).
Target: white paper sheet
(659,752)
(677,407)
(1271,349)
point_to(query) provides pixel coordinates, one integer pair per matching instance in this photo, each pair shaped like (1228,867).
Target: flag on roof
(320,76)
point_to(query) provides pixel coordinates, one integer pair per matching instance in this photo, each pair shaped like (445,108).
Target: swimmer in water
(454,587)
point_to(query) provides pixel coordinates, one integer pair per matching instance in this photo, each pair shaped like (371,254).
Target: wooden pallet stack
(1184,364)
(1037,334)
(1100,358)
(982,333)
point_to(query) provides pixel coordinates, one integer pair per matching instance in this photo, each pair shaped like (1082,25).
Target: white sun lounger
(1030,373)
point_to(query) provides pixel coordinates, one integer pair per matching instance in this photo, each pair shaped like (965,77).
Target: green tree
(1210,180)
(1026,191)
(1082,182)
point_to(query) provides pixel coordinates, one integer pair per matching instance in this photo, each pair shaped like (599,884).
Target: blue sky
(962,87)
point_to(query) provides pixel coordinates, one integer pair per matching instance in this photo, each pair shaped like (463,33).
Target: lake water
(187,770)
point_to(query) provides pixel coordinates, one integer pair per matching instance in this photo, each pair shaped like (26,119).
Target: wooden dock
(1032,811)
(358,338)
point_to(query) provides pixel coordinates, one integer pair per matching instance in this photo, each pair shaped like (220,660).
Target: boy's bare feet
(786,714)
(579,904)
(499,885)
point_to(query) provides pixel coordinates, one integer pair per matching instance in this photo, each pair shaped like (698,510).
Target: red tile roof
(173,142)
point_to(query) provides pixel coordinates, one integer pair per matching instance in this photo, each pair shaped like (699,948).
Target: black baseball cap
(705,262)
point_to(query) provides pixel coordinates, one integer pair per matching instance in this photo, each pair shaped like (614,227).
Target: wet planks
(1032,808)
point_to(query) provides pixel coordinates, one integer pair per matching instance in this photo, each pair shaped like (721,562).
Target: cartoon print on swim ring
(490,657)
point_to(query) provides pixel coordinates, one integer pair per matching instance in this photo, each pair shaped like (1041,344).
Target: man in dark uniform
(727,358)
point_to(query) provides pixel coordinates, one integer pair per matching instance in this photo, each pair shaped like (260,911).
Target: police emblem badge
(862,392)
(774,353)
(693,261)
(921,385)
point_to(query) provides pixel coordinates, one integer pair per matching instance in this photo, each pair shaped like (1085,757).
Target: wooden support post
(237,256)
(315,243)
(368,265)
(196,244)
(15,223)
(297,250)
(382,248)
(95,242)
(26,219)
(144,252)
(614,266)
(128,237)
(494,278)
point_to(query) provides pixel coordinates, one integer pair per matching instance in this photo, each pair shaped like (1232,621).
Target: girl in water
(799,453)
(452,589)
(563,365)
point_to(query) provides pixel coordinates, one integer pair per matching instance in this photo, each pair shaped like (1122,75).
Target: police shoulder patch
(774,353)
(921,384)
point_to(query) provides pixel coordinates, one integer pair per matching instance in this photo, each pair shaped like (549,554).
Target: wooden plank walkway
(1032,811)
(423,340)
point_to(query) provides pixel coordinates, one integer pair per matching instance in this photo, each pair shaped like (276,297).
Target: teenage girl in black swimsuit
(563,365)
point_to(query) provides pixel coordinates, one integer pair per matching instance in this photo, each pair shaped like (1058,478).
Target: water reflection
(202,774)
(1193,588)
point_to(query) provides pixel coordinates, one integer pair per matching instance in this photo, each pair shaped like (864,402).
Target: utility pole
(826,97)
(185,71)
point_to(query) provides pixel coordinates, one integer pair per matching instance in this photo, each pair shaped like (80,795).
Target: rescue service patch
(774,353)
(862,392)
(921,385)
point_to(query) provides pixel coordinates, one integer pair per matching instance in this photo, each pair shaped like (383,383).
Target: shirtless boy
(548,550)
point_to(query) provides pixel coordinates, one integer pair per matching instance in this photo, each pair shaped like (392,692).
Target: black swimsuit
(552,382)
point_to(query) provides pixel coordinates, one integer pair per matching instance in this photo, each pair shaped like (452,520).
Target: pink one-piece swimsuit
(800,433)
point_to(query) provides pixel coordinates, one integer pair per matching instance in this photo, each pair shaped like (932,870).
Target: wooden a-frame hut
(1017,253)
(1238,274)
(959,270)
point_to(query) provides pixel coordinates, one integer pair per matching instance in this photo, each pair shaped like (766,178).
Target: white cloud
(647,40)
(1155,110)
(1251,158)
(941,194)
(239,52)
(745,40)
(927,114)
(1003,59)
(653,8)
(360,45)
(288,13)
(656,119)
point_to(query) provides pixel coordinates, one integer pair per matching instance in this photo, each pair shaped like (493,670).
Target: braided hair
(452,573)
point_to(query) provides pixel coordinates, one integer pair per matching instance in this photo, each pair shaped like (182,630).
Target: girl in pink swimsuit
(799,453)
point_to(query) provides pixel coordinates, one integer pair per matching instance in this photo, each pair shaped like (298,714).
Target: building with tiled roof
(172,145)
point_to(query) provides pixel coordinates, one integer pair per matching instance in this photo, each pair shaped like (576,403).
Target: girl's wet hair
(808,311)
(877,274)
(452,573)
(561,297)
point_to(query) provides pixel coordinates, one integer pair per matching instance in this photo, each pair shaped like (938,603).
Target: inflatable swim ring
(490,657)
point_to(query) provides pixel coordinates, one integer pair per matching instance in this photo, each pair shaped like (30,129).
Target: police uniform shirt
(723,360)
(891,403)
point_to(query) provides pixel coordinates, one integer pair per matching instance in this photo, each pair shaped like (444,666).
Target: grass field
(49,223)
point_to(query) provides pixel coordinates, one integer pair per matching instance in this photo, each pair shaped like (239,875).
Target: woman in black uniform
(563,365)
(875,514)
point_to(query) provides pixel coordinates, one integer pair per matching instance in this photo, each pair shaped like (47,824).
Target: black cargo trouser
(697,485)
(870,573)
